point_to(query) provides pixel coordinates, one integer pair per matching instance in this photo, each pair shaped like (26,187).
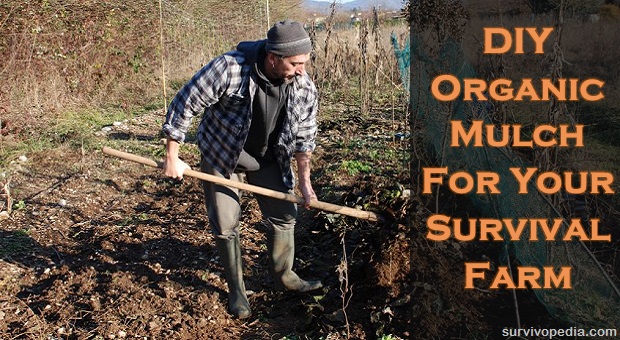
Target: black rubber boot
(281,247)
(230,257)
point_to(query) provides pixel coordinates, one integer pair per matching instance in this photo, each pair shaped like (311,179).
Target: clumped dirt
(100,248)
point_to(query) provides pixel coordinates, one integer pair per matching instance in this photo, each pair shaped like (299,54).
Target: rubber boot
(230,257)
(281,247)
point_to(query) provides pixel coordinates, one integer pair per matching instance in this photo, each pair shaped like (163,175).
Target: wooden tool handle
(334,208)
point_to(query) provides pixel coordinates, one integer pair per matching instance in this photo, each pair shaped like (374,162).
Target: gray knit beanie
(287,38)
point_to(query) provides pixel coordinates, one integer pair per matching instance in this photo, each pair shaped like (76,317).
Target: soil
(101,248)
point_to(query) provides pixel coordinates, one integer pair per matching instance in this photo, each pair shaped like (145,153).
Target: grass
(75,126)
(354,167)
(16,242)
(75,129)
(11,151)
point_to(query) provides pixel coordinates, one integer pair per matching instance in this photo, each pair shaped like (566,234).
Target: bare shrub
(357,60)
(60,55)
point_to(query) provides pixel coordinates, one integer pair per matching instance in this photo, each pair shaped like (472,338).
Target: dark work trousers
(223,206)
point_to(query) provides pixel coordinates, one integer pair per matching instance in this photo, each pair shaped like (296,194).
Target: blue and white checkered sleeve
(305,139)
(203,90)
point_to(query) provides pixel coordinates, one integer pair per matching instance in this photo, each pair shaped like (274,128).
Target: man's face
(287,68)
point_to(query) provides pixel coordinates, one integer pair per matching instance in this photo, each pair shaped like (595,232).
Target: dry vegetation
(61,56)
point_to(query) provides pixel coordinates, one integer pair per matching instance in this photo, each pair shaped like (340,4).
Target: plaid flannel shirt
(223,92)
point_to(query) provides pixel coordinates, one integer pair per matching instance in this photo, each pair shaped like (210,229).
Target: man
(259,111)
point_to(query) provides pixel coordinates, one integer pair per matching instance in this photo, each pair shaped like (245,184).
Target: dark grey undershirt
(268,112)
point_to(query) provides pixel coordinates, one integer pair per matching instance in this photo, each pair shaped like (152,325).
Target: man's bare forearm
(172,149)
(303,174)
(303,166)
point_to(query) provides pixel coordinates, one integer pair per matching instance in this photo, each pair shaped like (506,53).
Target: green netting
(403,58)
(593,301)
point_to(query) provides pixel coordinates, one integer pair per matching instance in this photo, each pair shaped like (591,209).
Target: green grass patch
(354,167)
(15,243)
(78,129)
(11,151)
(79,126)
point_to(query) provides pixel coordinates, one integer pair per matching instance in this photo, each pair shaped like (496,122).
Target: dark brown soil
(102,248)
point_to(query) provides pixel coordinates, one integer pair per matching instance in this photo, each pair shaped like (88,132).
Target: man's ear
(272,59)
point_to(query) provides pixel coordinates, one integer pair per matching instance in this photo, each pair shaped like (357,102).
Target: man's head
(288,49)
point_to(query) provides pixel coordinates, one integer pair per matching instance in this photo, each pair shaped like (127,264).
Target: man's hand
(308,193)
(173,166)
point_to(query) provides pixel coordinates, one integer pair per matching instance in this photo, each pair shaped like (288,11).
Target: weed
(388,155)
(189,149)
(147,184)
(354,167)
(21,205)
(136,62)
(388,337)
(124,222)
(15,243)
(159,152)
(22,233)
